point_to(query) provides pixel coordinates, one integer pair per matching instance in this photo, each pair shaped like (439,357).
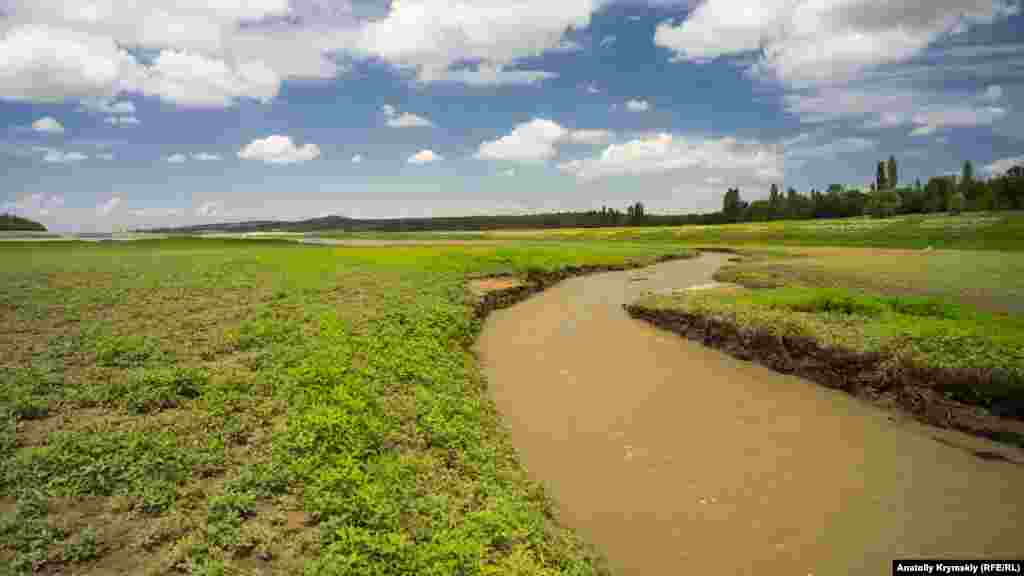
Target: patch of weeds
(265,330)
(82,548)
(131,351)
(145,465)
(28,393)
(155,389)
(27,534)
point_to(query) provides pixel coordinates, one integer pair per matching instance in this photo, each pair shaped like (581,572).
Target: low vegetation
(13,222)
(233,407)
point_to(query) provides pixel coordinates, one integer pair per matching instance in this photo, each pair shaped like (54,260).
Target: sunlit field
(220,407)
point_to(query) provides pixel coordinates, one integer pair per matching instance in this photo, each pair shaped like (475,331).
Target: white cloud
(566,46)
(812,41)
(205,157)
(48,125)
(42,63)
(532,141)
(431,35)
(424,157)
(508,172)
(194,80)
(114,107)
(608,40)
(109,206)
(993,93)
(277,149)
(885,105)
(105,156)
(694,158)
(590,136)
(1000,166)
(405,119)
(638,105)
(358,158)
(37,203)
(54,156)
(122,120)
(210,209)
(484,75)
(178,158)
(929,120)
(591,88)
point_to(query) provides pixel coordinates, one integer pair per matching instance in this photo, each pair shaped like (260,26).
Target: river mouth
(673,458)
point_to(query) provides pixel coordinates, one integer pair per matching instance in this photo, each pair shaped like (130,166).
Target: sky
(139,113)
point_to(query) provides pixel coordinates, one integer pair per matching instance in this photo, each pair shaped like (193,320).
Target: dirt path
(672,458)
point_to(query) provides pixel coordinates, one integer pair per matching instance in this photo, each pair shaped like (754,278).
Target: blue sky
(142,113)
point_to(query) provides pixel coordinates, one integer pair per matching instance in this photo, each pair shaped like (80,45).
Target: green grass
(990,280)
(970,231)
(919,331)
(214,406)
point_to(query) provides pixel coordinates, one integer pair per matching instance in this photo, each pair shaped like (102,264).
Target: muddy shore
(914,390)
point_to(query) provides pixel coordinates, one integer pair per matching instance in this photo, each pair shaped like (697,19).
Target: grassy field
(990,280)
(974,231)
(232,407)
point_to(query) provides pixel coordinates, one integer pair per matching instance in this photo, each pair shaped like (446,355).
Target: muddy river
(672,458)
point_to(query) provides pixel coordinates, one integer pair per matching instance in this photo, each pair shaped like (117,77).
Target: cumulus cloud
(608,40)
(694,158)
(405,119)
(205,157)
(48,125)
(425,157)
(358,158)
(177,158)
(928,121)
(194,80)
(532,141)
(1001,165)
(590,136)
(122,120)
(210,209)
(38,203)
(429,36)
(109,206)
(993,93)
(638,105)
(278,149)
(812,41)
(113,107)
(55,156)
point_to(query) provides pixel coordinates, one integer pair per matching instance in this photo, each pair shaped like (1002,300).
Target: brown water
(672,458)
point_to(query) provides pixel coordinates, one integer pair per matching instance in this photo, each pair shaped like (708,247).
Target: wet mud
(673,458)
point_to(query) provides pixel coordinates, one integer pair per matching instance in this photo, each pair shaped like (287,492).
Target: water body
(673,458)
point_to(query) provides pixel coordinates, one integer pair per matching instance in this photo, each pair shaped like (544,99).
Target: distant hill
(12,222)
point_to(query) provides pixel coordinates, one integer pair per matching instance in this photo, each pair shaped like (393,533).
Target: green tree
(891,174)
(732,205)
(880,180)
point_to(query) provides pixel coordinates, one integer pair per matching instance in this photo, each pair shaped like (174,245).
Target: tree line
(947,193)
(885,197)
(12,222)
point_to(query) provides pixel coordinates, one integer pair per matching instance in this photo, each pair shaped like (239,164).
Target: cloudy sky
(135,113)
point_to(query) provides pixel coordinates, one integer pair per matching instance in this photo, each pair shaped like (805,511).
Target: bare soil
(674,458)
